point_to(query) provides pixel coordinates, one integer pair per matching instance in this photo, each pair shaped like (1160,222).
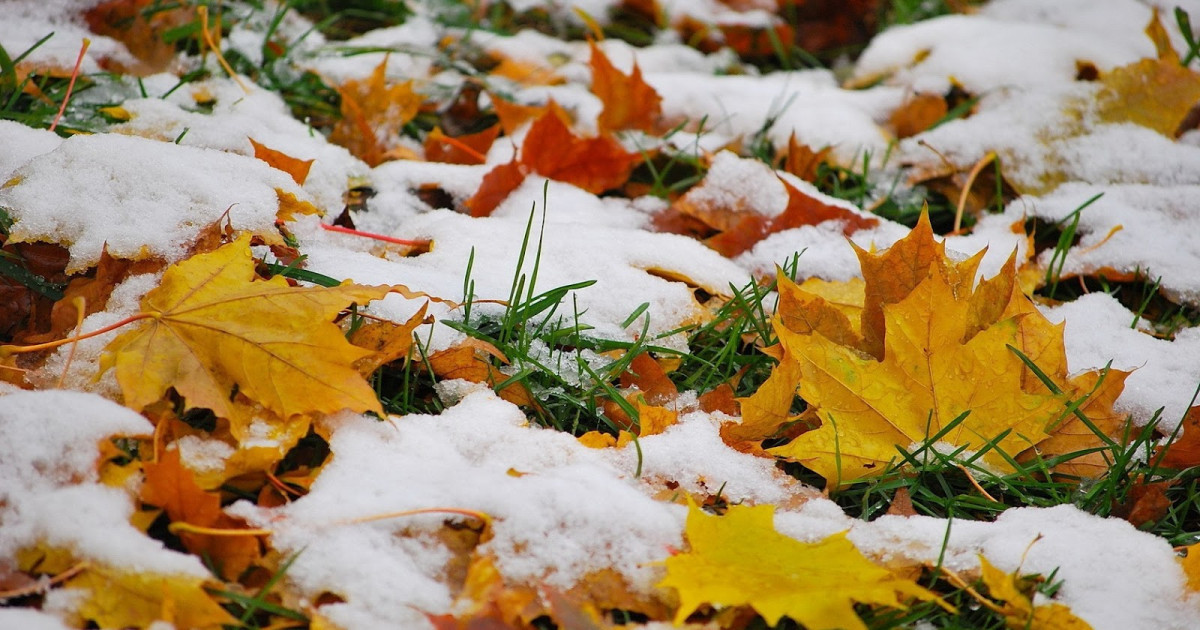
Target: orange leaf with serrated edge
(739,559)
(802,161)
(593,164)
(297,168)
(210,327)
(120,598)
(172,487)
(629,102)
(730,211)
(944,351)
(471,148)
(373,111)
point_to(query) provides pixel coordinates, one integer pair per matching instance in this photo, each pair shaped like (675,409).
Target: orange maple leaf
(471,148)
(550,149)
(211,327)
(739,226)
(120,598)
(172,486)
(629,102)
(373,111)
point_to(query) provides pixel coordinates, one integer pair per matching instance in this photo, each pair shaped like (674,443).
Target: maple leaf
(140,25)
(1156,93)
(730,211)
(550,149)
(1019,611)
(172,486)
(932,356)
(629,102)
(593,164)
(211,327)
(117,598)
(372,112)
(740,559)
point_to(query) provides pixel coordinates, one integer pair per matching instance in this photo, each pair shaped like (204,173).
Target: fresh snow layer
(50,492)
(561,510)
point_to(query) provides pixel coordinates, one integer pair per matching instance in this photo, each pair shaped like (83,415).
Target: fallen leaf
(496,186)
(646,374)
(513,115)
(1019,611)
(1190,563)
(593,164)
(387,341)
(1156,93)
(172,486)
(466,149)
(932,348)
(116,598)
(1183,451)
(1145,503)
(739,559)
(297,168)
(373,111)
(629,102)
(140,26)
(918,113)
(211,327)
(802,161)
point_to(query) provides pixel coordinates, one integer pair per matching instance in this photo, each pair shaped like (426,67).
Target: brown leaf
(1184,451)
(140,25)
(387,341)
(648,376)
(802,161)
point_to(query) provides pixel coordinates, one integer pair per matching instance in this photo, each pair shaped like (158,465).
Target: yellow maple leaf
(1156,93)
(1018,609)
(933,347)
(739,559)
(211,327)
(128,599)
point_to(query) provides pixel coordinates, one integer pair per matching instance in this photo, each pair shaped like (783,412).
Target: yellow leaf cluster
(739,559)
(933,354)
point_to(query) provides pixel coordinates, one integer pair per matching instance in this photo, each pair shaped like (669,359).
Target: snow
(50,491)
(559,510)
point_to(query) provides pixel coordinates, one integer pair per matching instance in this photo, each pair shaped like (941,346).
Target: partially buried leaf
(297,168)
(1184,450)
(120,598)
(211,327)
(373,111)
(1019,611)
(739,559)
(466,149)
(593,164)
(172,486)
(629,102)
(1155,93)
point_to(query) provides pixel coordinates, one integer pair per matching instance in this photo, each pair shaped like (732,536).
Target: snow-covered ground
(572,510)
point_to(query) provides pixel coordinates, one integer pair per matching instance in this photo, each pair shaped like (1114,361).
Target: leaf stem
(379,237)
(49,345)
(71,85)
